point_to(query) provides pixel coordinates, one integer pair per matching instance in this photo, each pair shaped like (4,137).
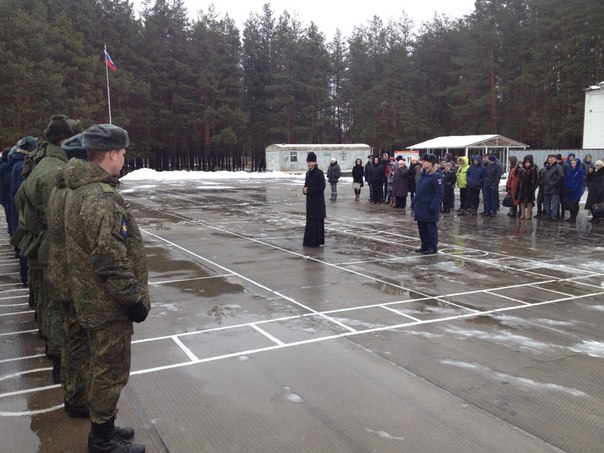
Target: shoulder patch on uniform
(106,187)
(124,227)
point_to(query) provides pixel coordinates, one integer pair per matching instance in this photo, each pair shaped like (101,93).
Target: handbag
(356,185)
(507,201)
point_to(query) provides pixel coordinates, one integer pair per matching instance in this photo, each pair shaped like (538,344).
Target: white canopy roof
(469,141)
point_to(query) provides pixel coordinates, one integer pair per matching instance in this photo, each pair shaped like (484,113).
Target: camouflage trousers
(52,319)
(35,279)
(75,358)
(109,368)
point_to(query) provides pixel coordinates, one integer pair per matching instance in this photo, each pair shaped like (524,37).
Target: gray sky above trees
(334,14)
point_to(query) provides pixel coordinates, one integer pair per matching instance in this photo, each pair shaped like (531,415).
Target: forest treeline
(202,94)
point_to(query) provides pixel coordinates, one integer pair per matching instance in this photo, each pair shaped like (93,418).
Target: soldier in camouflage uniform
(33,197)
(107,276)
(75,356)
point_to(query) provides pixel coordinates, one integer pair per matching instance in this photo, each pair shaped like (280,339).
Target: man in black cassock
(314,188)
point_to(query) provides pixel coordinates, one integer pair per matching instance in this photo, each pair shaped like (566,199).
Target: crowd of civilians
(552,189)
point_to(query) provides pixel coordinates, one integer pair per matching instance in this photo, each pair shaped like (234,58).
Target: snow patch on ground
(510,379)
(503,338)
(589,347)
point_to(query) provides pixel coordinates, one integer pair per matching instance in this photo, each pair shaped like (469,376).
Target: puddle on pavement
(159,261)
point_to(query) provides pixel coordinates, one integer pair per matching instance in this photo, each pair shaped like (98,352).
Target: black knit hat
(430,158)
(104,137)
(312,157)
(60,127)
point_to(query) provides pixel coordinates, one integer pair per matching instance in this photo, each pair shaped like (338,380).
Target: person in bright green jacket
(462,169)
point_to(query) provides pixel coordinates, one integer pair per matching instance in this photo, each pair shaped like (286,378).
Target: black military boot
(103,438)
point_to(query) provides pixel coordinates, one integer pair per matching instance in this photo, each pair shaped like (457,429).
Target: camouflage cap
(104,137)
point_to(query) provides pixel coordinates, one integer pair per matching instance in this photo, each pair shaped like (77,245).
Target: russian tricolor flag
(109,62)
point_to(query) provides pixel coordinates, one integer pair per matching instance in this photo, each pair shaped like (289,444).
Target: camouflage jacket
(35,192)
(107,271)
(55,237)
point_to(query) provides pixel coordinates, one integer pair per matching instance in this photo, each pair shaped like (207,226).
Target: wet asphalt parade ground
(256,344)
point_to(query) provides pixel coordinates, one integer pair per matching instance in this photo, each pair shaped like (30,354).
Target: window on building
(293,156)
(343,157)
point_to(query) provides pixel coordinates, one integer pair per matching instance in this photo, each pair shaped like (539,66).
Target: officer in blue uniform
(429,193)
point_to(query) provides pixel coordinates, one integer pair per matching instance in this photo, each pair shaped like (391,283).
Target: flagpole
(108,92)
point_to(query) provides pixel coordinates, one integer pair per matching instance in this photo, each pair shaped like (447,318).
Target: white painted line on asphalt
(35,356)
(393,310)
(448,302)
(14,305)
(24,372)
(185,349)
(507,297)
(18,332)
(554,291)
(181,280)
(348,334)
(17,313)
(14,289)
(25,296)
(299,304)
(30,413)
(32,390)
(268,335)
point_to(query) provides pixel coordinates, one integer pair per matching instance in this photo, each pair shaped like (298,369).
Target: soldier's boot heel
(103,438)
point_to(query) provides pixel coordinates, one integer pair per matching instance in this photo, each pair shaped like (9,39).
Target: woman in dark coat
(527,185)
(377,176)
(429,193)
(596,190)
(358,171)
(400,183)
(314,188)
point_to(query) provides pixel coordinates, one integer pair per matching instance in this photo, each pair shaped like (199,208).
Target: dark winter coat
(553,178)
(357,174)
(315,198)
(528,182)
(333,172)
(368,166)
(400,182)
(377,173)
(475,174)
(596,189)
(492,175)
(573,182)
(429,194)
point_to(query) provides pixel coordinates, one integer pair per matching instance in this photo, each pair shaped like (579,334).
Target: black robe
(314,233)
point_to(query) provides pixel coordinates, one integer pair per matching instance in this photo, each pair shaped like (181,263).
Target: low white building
(292,157)
(593,123)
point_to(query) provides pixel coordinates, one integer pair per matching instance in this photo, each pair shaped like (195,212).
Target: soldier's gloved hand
(137,312)
(431,210)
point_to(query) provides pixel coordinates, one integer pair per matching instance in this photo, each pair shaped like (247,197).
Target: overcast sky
(329,15)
